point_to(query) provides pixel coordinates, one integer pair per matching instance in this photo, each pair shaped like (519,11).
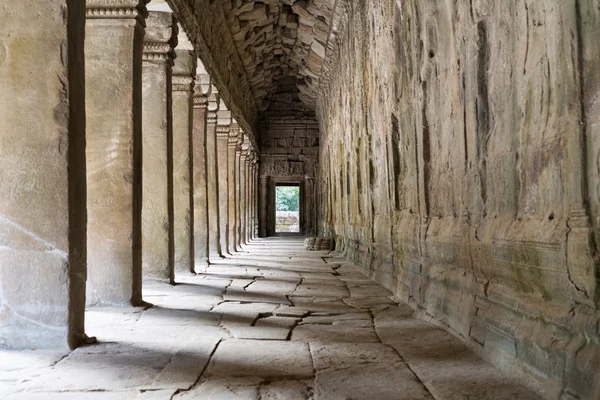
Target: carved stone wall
(455,140)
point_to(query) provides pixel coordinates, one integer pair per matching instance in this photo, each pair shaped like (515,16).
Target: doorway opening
(287,208)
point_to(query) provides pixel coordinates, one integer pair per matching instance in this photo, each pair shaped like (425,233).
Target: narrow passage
(276,322)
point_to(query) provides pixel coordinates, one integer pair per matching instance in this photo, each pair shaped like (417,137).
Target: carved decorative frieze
(182,83)
(223,131)
(282,167)
(116,9)
(157,52)
(211,118)
(200,101)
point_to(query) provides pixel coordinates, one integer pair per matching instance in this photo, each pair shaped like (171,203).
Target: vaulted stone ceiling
(280,40)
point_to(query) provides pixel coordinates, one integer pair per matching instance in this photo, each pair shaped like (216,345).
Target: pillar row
(113,98)
(157,147)
(184,74)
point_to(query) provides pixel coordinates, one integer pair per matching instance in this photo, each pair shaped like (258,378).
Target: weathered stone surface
(212,178)
(446,366)
(266,359)
(452,165)
(157,142)
(175,350)
(363,371)
(232,192)
(42,176)
(184,74)
(289,153)
(222,155)
(113,58)
(199,149)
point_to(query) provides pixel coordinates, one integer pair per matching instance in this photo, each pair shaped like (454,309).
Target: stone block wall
(459,168)
(289,146)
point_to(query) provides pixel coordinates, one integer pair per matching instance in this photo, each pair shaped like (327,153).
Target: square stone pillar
(243,191)
(232,178)
(239,190)
(223,128)
(251,199)
(212,178)
(113,69)
(42,174)
(184,74)
(248,196)
(199,172)
(263,210)
(157,146)
(255,199)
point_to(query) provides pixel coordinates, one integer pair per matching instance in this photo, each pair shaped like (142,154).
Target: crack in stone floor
(275,322)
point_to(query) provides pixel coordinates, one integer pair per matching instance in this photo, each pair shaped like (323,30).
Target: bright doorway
(287,208)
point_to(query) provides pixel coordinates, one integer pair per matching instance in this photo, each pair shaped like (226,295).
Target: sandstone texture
(199,177)
(42,175)
(157,146)
(184,75)
(195,343)
(455,142)
(113,101)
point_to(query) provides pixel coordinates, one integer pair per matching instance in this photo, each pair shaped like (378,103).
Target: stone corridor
(445,160)
(276,322)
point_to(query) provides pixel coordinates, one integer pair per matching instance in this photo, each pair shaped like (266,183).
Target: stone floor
(276,322)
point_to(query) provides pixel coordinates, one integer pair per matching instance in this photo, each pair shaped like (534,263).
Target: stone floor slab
(363,371)
(236,332)
(265,359)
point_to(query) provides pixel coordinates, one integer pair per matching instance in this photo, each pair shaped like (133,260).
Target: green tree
(288,198)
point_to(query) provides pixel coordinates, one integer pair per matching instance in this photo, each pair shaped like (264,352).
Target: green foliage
(287,198)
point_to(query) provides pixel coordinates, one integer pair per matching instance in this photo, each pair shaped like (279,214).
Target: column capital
(200,101)
(184,70)
(234,133)
(223,131)
(116,9)
(182,83)
(160,39)
(211,118)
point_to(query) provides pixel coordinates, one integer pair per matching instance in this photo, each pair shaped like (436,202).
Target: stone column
(113,100)
(252,189)
(157,142)
(232,177)
(184,74)
(223,127)
(42,175)
(243,190)
(199,173)
(255,199)
(248,194)
(212,184)
(239,190)
(263,211)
